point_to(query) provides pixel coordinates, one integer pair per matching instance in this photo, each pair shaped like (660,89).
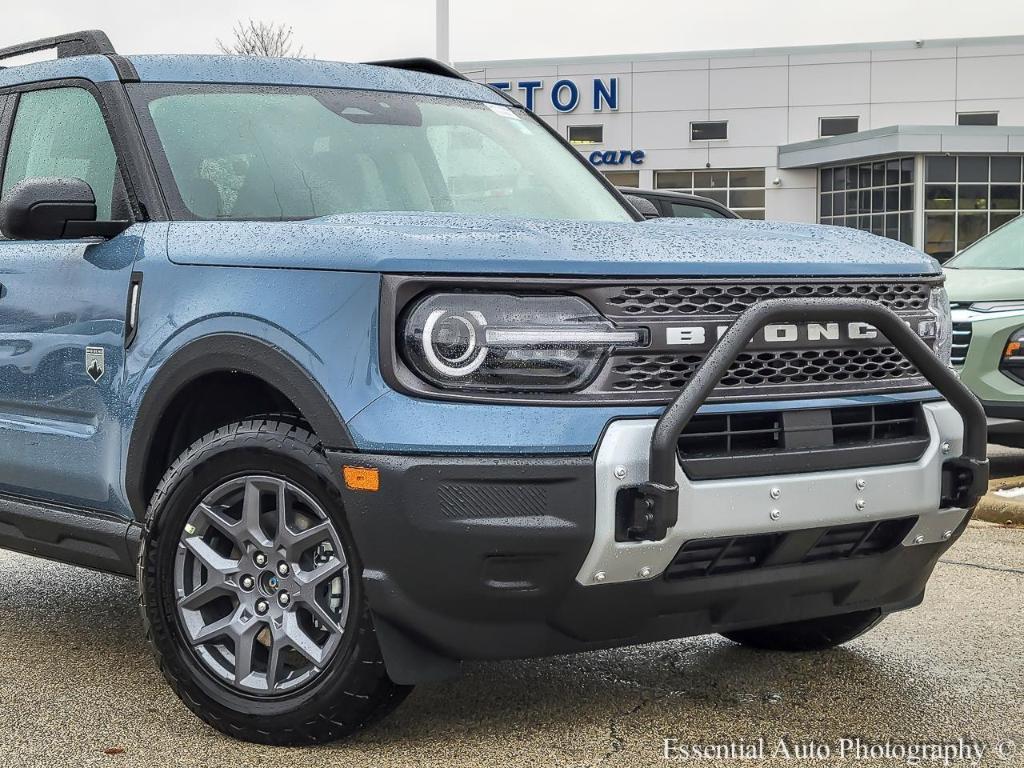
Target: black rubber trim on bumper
(656,502)
(476,558)
(999,410)
(482,539)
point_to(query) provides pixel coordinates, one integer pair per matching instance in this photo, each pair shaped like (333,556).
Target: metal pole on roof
(442,52)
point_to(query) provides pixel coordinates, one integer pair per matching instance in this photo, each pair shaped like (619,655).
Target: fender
(218,353)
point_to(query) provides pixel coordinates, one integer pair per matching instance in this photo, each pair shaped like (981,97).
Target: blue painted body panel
(59,430)
(465,244)
(403,424)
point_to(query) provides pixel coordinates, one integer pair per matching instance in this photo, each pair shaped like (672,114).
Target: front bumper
(502,557)
(496,557)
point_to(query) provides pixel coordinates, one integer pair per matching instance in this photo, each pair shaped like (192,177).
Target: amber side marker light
(361,478)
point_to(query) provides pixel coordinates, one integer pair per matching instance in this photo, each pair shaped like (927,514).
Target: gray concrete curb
(997,509)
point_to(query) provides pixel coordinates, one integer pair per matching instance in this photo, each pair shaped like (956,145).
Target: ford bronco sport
(362,372)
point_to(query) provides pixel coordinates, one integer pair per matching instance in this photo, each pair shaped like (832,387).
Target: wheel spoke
(215,586)
(208,556)
(297,543)
(233,529)
(245,644)
(298,639)
(321,572)
(274,661)
(323,616)
(282,509)
(251,514)
(216,629)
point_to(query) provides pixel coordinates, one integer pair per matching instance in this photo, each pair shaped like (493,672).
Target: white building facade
(919,141)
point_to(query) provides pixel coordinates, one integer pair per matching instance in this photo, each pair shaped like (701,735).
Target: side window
(60,132)
(684,211)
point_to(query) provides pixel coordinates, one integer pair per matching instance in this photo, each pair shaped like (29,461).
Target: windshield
(262,153)
(1002,248)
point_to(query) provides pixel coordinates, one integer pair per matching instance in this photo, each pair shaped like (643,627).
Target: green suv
(985,283)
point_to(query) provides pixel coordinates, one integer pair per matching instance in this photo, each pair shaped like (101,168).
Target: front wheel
(810,635)
(250,590)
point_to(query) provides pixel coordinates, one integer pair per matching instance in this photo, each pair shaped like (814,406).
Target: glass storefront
(741,189)
(877,197)
(623,178)
(967,196)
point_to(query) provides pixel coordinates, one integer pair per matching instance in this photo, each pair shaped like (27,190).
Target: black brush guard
(653,507)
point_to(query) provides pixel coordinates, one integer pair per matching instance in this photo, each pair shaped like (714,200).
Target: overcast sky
(354,30)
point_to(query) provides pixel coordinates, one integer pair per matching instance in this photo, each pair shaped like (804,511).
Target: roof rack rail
(73,44)
(421,64)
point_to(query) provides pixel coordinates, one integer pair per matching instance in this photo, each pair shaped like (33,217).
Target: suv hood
(969,285)
(466,244)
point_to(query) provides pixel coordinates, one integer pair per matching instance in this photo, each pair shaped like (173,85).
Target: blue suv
(362,371)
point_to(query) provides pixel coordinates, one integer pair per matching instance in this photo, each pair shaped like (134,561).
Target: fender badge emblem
(94,362)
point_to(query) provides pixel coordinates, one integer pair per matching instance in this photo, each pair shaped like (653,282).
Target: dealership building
(919,141)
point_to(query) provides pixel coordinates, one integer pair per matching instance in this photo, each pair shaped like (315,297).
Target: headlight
(1012,360)
(938,304)
(501,342)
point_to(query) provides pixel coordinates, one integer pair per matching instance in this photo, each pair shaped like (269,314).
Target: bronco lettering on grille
(704,334)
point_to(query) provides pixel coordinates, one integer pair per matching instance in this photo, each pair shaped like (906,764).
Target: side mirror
(53,209)
(643,206)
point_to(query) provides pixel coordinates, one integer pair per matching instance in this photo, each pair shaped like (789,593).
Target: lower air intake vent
(707,557)
(712,557)
(860,539)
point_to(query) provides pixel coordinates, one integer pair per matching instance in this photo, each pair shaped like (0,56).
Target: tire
(251,681)
(809,635)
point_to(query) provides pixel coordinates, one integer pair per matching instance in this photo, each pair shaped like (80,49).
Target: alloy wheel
(262,585)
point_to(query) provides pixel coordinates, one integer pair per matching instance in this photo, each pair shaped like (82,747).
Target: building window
(967,196)
(741,189)
(977,118)
(623,178)
(837,126)
(876,197)
(717,130)
(585,134)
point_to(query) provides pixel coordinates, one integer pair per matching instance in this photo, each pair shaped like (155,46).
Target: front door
(62,314)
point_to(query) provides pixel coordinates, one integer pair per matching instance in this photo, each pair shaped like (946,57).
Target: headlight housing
(502,342)
(1012,360)
(938,305)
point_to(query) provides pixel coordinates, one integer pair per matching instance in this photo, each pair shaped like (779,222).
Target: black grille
(961,342)
(718,298)
(716,446)
(700,558)
(652,373)
(685,317)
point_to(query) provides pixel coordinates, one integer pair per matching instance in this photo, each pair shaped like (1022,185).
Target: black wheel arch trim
(219,353)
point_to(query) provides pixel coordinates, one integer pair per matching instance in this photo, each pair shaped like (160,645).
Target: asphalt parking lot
(78,686)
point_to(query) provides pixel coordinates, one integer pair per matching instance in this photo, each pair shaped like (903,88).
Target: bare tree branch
(261,38)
